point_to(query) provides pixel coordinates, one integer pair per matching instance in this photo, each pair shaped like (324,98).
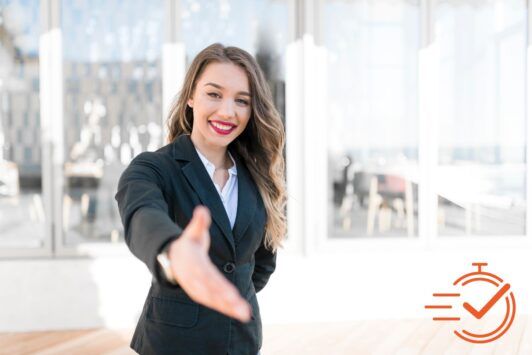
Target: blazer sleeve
(144,210)
(265,261)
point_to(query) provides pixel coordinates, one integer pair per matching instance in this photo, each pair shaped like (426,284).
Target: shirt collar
(210,166)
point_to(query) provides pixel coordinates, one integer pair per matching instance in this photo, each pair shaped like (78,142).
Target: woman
(225,154)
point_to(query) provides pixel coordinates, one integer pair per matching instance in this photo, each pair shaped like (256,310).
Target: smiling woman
(225,153)
(222,111)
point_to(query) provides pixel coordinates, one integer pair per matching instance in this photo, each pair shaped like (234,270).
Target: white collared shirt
(229,193)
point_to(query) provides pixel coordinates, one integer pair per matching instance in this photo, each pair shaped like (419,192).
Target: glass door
(24,202)
(112,108)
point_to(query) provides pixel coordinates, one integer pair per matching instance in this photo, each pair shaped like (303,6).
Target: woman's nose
(226,108)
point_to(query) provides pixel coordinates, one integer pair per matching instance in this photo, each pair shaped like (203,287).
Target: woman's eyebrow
(221,88)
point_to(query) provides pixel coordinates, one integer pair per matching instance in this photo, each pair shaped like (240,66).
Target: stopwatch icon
(499,294)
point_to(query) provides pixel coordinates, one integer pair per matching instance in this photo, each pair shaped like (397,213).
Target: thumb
(198,227)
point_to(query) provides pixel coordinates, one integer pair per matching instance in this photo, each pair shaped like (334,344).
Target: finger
(220,296)
(205,284)
(209,287)
(227,298)
(199,224)
(236,305)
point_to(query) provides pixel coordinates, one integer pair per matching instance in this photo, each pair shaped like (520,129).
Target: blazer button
(229,267)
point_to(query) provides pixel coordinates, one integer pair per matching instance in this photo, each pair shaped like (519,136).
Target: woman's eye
(243,102)
(213,94)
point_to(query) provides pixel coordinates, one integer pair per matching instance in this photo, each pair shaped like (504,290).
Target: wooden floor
(403,337)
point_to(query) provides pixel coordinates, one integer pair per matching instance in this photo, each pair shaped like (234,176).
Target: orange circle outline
(513,308)
(487,334)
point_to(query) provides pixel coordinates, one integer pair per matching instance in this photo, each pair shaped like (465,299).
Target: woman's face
(221,104)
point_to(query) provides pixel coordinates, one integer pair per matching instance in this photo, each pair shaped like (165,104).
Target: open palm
(198,276)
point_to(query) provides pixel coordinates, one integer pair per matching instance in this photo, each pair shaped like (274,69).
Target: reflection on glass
(372,117)
(112,106)
(22,214)
(260,27)
(481,173)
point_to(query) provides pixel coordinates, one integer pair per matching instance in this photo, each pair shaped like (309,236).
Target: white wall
(373,284)
(71,293)
(368,284)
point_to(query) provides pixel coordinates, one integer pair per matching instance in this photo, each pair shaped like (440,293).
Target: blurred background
(407,124)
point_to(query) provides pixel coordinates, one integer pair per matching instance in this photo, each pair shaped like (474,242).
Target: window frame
(313,196)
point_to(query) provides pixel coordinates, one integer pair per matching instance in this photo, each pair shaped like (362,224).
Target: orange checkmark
(487,307)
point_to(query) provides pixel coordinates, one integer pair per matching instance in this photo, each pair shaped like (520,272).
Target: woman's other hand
(198,276)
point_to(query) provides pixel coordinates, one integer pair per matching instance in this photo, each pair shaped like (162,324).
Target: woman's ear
(190,103)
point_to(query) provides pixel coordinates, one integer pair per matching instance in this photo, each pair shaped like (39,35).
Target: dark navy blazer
(156,196)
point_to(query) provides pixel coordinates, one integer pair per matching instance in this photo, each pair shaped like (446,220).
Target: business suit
(156,195)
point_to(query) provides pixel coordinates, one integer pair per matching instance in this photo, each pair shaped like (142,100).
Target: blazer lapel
(247,199)
(201,182)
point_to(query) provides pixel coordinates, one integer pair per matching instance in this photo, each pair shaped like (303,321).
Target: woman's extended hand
(198,276)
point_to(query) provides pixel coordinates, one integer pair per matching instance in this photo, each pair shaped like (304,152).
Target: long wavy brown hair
(260,144)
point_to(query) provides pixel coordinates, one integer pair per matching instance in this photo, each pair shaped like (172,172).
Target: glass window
(22,212)
(481,171)
(372,117)
(260,27)
(112,106)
